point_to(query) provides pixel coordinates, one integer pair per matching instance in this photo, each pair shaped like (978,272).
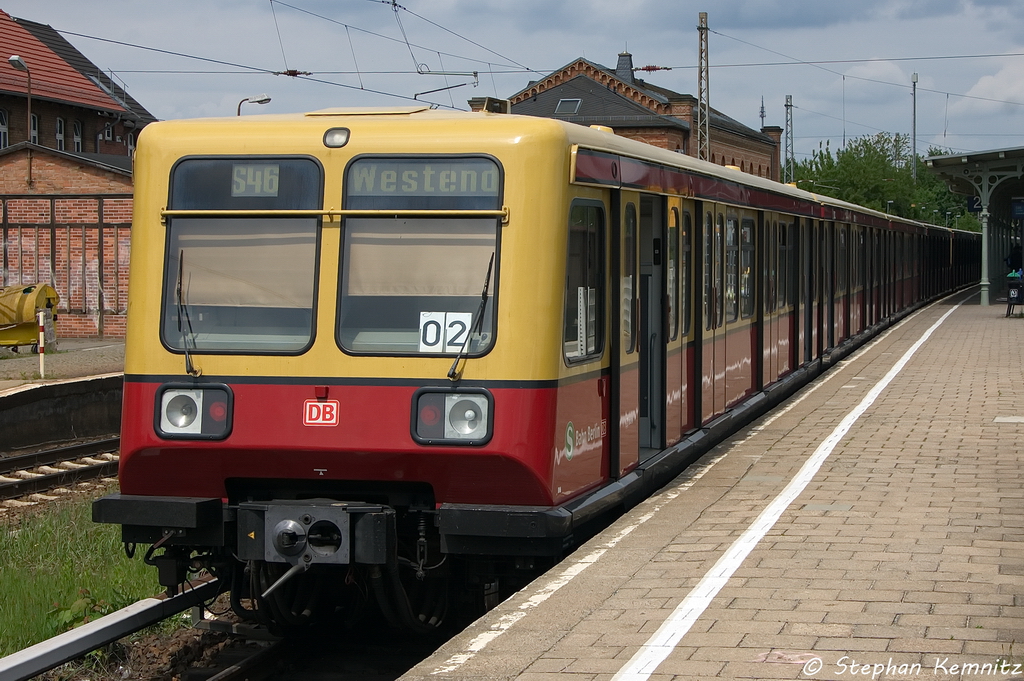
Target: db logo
(320,413)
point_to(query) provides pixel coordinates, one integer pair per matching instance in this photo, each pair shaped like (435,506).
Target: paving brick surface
(902,558)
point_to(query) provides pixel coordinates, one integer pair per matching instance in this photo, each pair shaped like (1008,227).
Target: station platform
(872,527)
(72,359)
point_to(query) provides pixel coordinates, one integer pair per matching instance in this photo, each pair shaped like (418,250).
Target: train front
(339,383)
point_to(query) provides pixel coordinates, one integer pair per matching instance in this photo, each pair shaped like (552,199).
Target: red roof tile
(52,77)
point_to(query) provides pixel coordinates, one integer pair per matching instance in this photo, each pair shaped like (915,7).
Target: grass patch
(58,569)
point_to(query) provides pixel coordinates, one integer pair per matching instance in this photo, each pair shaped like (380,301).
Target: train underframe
(293,556)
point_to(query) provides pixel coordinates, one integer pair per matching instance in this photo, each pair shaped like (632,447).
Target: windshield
(413,285)
(247,284)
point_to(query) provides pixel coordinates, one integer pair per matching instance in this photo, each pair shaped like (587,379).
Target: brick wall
(71,229)
(95,128)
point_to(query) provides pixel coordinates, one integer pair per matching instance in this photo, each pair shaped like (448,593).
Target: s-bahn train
(390,359)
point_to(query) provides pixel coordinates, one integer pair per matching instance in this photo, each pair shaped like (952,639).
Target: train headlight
(194,412)
(452,417)
(336,137)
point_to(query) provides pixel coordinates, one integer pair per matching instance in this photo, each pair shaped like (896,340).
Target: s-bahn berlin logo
(320,412)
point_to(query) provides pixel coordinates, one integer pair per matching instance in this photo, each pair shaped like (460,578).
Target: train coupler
(316,531)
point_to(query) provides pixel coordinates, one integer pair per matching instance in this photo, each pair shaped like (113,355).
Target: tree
(875,172)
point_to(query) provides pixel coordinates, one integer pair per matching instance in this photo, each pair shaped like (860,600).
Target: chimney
(624,69)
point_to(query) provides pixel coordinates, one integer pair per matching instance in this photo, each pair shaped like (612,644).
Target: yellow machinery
(19,306)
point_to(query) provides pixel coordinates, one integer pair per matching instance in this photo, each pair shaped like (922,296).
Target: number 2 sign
(444,331)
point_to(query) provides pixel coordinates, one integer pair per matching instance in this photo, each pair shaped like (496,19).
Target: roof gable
(52,78)
(656,102)
(66,51)
(598,104)
(653,101)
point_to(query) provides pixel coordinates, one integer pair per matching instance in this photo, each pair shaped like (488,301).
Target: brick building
(66,177)
(590,94)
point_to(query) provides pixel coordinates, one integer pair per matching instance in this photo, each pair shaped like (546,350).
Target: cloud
(998,93)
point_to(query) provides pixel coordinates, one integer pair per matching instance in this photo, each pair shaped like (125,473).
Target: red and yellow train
(376,354)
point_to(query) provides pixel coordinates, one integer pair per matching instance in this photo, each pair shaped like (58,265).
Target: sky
(847,65)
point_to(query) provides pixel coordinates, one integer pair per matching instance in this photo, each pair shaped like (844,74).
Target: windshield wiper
(454,374)
(190,369)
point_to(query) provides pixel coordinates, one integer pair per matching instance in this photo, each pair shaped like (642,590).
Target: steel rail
(13,488)
(84,639)
(254,667)
(49,457)
(41,483)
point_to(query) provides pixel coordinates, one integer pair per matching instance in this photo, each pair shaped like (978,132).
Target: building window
(131,144)
(60,134)
(5,140)
(567,107)
(108,133)
(76,131)
(34,136)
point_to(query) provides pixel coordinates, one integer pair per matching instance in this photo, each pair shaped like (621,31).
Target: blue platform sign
(1017,209)
(973,204)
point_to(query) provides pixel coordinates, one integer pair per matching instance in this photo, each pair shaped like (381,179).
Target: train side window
(673,274)
(731,271)
(684,272)
(747,268)
(629,307)
(585,273)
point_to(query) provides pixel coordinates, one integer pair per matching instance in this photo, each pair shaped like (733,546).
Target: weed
(59,569)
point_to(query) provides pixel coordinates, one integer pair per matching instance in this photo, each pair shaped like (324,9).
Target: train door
(788,295)
(628,368)
(842,279)
(828,245)
(821,288)
(740,326)
(687,327)
(677,362)
(809,296)
(652,337)
(713,314)
(771,323)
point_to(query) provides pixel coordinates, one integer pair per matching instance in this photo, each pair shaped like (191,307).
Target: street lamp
(256,99)
(19,64)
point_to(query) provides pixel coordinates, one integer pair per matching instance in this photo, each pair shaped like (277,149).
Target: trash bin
(1014,295)
(18,308)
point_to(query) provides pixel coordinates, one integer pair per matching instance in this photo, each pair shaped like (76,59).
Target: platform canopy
(996,177)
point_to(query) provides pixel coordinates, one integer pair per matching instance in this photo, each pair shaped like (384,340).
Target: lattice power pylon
(789,164)
(703,99)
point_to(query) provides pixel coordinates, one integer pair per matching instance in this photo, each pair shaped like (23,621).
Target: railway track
(24,474)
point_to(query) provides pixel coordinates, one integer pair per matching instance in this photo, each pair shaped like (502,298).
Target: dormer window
(568,107)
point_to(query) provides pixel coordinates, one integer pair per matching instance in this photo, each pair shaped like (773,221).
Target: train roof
(601,140)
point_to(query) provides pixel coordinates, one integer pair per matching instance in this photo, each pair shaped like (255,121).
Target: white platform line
(549,588)
(668,635)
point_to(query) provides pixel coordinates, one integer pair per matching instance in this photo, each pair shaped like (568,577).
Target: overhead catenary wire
(387,37)
(279,40)
(820,65)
